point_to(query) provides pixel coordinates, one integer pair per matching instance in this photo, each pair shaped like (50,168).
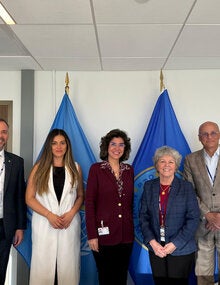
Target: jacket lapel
(8,168)
(217,180)
(173,192)
(200,161)
(51,186)
(110,177)
(155,193)
(67,186)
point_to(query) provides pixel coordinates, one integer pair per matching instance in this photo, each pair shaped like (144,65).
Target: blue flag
(163,129)
(66,119)
(25,248)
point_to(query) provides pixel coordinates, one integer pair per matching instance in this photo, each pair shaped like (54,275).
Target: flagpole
(162,86)
(67,84)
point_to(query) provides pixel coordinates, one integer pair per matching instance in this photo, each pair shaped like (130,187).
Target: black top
(58,181)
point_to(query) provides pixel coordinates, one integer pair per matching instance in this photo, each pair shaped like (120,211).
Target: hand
(213,221)
(19,234)
(158,248)
(210,227)
(66,219)
(55,221)
(169,248)
(93,244)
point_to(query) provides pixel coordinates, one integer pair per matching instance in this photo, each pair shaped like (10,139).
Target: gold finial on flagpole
(67,84)
(162,86)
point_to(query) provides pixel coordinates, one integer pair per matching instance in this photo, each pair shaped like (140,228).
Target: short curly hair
(167,150)
(104,144)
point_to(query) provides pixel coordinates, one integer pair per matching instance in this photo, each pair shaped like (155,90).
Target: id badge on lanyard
(103,230)
(162,233)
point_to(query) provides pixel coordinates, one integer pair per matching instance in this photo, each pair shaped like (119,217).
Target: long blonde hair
(44,163)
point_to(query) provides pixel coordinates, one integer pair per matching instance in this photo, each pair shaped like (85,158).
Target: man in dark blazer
(202,168)
(12,200)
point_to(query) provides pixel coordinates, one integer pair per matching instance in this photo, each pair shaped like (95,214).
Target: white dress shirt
(2,179)
(211,164)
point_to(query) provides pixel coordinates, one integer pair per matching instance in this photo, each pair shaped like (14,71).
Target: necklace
(164,189)
(115,170)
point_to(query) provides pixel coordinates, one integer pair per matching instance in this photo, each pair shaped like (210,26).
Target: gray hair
(166,150)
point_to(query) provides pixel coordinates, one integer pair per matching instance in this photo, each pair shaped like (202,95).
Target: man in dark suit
(12,200)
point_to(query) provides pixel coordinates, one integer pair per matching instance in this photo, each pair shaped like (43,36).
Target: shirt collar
(2,153)
(216,154)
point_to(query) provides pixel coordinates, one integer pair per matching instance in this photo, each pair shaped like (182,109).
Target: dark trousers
(112,263)
(5,246)
(172,270)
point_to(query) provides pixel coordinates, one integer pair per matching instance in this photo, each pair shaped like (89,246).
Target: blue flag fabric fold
(163,129)
(25,248)
(66,119)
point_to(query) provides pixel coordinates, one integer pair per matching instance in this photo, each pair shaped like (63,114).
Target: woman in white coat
(55,193)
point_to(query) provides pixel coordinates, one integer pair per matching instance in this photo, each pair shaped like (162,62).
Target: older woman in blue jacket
(169,218)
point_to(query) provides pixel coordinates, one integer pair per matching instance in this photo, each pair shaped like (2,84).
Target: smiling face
(3,134)
(59,146)
(166,167)
(116,149)
(209,137)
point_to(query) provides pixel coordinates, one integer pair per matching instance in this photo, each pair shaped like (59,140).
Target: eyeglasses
(113,144)
(206,135)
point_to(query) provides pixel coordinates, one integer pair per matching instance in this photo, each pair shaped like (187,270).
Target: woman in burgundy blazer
(109,204)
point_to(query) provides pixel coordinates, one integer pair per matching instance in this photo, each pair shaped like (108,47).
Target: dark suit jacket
(182,215)
(104,204)
(14,208)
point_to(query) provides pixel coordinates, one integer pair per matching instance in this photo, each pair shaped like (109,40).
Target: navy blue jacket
(182,215)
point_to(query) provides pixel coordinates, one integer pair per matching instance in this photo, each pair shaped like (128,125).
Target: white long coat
(51,246)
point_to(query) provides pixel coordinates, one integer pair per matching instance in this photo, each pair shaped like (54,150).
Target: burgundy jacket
(103,203)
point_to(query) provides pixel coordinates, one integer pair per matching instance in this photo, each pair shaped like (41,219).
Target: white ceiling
(111,35)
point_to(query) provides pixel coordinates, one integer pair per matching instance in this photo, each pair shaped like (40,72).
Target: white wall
(106,100)
(10,90)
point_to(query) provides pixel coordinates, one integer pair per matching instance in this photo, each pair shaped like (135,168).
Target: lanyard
(163,206)
(210,175)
